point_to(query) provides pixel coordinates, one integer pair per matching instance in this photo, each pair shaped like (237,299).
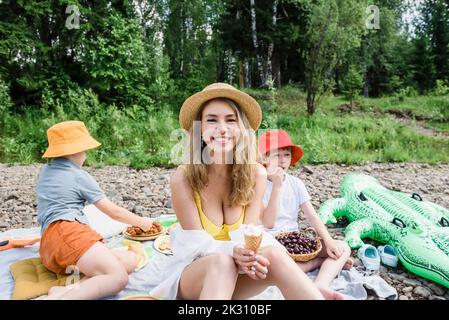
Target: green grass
(433,108)
(141,138)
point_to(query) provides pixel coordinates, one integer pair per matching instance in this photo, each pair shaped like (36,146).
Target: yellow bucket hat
(68,137)
(247,104)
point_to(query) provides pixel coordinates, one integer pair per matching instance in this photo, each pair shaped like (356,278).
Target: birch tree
(256,42)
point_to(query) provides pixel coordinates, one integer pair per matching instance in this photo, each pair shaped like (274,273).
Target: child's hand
(275,175)
(333,250)
(146,224)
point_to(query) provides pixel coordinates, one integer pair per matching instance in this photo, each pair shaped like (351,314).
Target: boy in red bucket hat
(284,195)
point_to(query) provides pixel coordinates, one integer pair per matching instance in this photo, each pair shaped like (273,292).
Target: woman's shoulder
(179,176)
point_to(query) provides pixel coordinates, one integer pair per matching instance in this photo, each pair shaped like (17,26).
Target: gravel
(146,192)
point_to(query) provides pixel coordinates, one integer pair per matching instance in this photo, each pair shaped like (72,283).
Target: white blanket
(141,282)
(147,279)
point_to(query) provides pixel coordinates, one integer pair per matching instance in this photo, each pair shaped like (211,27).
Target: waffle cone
(253,242)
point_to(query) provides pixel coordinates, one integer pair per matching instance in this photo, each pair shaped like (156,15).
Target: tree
(334,28)
(435,24)
(421,64)
(352,84)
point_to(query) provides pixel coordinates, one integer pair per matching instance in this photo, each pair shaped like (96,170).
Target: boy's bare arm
(254,210)
(315,221)
(271,211)
(121,214)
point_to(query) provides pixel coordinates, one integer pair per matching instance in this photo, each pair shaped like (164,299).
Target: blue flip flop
(369,256)
(388,255)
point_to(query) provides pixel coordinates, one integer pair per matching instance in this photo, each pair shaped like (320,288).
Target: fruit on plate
(297,243)
(134,231)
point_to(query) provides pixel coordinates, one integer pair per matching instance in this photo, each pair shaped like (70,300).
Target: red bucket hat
(278,139)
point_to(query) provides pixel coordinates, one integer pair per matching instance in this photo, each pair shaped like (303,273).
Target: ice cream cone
(253,238)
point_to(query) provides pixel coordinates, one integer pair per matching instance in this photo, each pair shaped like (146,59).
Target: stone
(383,269)
(422,291)
(128,197)
(407,289)
(147,191)
(112,194)
(437,289)
(168,204)
(137,209)
(11,196)
(402,297)
(412,282)
(398,277)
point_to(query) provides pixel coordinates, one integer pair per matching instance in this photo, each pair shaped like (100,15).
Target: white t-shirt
(293,194)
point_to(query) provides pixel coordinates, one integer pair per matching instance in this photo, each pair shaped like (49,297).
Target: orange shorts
(64,242)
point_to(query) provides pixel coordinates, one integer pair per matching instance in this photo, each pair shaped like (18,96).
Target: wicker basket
(308,256)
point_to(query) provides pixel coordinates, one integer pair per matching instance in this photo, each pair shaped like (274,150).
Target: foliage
(352,84)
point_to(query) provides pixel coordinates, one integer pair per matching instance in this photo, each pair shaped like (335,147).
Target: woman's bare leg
(282,272)
(210,277)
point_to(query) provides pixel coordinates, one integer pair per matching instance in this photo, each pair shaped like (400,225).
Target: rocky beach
(146,192)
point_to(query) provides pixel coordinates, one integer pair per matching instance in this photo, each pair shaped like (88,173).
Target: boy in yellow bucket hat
(67,241)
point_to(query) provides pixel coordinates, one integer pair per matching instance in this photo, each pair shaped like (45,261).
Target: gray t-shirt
(62,191)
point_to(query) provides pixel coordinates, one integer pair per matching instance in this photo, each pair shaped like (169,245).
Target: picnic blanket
(139,284)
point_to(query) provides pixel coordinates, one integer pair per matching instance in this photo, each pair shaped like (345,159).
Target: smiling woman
(213,200)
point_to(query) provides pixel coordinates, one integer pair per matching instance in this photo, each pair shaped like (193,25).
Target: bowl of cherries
(302,245)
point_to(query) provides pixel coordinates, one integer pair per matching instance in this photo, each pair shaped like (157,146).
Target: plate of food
(163,245)
(136,233)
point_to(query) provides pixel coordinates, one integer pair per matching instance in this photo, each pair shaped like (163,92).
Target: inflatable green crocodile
(418,229)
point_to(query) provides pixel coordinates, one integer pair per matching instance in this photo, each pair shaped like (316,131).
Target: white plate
(158,241)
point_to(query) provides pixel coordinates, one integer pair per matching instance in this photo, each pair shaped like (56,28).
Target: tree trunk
(241,73)
(310,102)
(366,86)
(248,73)
(256,43)
(220,65)
(337,81)
(269,71)
(181,53)
(277,70)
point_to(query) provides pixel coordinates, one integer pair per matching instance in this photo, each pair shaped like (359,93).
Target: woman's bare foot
(330,294)
(348,264)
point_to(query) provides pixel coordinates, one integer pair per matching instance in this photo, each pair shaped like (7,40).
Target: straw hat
(247,104)
(278,139)
(68,137)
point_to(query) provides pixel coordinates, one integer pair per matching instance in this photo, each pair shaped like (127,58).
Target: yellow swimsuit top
(217,232)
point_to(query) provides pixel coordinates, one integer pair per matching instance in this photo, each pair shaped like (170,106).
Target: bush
(5,99)
(352,84)
(395,84)
(442,88)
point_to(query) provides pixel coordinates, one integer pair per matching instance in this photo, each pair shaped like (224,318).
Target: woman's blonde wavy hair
(243,160)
